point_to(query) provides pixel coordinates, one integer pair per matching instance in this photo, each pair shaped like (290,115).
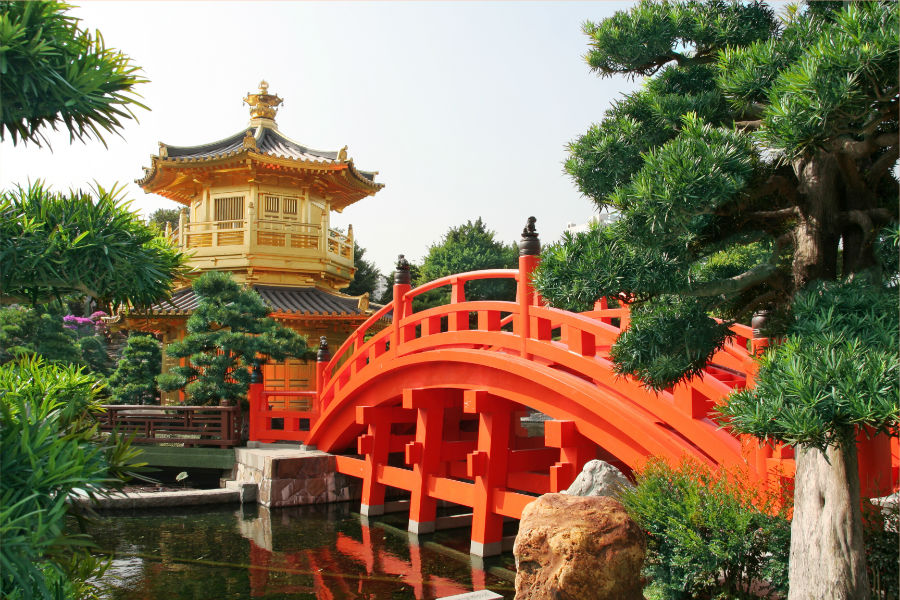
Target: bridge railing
(187,425)
(282,415)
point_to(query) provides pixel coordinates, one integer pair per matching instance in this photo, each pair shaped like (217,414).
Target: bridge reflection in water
(322,553)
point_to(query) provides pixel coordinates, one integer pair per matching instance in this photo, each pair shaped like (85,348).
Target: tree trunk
(828,558)
(816,234)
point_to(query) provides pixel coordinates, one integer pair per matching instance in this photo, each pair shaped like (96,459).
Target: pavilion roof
(266,149)
(306,301)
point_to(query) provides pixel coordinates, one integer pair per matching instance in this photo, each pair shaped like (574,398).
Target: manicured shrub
(134,381)
(709,534)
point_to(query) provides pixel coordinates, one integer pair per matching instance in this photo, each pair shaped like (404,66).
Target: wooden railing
(187,425)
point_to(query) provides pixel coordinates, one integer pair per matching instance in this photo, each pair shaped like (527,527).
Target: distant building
(257,205)
(603,218)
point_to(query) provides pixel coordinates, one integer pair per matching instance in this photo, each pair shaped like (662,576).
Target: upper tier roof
(174,172)
(268,141)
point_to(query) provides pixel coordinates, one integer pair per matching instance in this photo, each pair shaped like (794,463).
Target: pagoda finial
(263,105)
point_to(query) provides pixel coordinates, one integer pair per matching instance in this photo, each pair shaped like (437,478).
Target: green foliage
(161,216)
(55,73)
(50,450)
(53,244)
(880,527)
(134,380)
(27,331)
(755,159)
(836,370)
(706,537)
(228,330)
(467,247)
(641,350)
(367,275)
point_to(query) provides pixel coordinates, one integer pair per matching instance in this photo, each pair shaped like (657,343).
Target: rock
(598,478)
(578,548)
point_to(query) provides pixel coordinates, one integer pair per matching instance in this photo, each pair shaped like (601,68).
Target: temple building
(257,205)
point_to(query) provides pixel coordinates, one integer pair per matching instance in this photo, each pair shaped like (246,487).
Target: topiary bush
(709,534)
(134,380)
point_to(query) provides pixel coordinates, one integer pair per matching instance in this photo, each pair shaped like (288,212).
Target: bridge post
(424,454)
(401,286)
(323,356)
(529,257)
(488,466)
(257,403)
(375,446)
(575,450)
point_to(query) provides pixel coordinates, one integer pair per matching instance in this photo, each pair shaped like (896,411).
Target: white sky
(464,108)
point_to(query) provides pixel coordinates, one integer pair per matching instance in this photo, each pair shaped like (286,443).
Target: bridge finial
(401,273)
(530,244)
(323,355)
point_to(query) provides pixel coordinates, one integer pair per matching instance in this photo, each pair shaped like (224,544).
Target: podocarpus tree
(229,329)
(468,247)
(134,380)
(755,162)
(56,73)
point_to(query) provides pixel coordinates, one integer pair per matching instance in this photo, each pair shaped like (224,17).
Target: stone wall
(294,477)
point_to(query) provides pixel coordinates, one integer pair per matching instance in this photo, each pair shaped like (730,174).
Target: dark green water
(321,552)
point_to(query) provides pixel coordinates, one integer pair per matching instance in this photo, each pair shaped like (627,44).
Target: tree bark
(827,558)
(816,234)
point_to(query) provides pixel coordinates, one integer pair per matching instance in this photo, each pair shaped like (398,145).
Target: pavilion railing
(186,425)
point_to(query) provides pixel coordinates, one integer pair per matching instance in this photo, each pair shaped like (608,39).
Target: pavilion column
(488,466)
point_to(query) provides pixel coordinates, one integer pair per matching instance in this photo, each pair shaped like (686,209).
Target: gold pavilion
(257,204)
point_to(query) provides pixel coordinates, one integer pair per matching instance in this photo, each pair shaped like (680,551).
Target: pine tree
(753,171)
(229,329)
(134,380)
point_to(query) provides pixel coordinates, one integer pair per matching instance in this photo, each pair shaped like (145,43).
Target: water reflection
(322,552)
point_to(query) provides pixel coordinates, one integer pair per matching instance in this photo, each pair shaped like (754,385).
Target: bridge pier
(375,446)
(487,466)
(424,454)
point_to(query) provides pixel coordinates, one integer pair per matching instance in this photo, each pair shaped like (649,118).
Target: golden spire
(263,105)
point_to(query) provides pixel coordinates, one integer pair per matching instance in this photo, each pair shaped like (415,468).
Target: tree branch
(738,283)
(783,213)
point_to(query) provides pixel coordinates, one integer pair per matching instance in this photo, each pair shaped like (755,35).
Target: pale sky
(464,108)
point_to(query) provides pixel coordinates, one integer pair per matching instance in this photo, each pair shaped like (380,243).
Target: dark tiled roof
(308,301)
(269,141)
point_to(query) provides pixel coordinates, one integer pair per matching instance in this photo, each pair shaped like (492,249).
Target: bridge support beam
(575,450)
(375,446)
(424,454)
(487,466)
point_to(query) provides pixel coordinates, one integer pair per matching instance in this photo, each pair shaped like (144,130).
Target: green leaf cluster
(51,451)
(467,247)
(755,160)
(53,244)
(29,331)
(706,537)
(227,332)
(134,380)
(55,73)
(367,276)
(835,371)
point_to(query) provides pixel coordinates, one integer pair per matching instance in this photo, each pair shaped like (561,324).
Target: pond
(315,552)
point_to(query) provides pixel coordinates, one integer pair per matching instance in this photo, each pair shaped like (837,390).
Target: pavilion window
(270,204)
(290,208)
(229,212)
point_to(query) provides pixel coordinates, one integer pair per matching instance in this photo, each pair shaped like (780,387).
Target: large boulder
(598,478)
(578,548)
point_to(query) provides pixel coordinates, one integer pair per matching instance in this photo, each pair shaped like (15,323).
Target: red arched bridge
(433,404)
